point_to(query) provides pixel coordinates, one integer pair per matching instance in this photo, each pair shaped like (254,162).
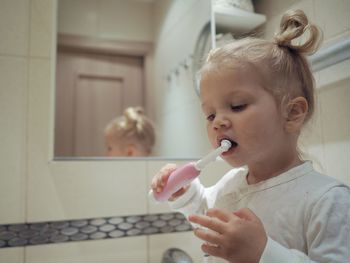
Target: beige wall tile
(40,182)
(85,24)
(336,110)
(332,16)
(39,109)
(125,20)
(13,107)
(121,20)
(337,160)
(14,19)
(41,28)
(12,255)
(337,38)
(316,154)
(69,190)
(328,76)
(185,241)
(311,141)
(272,7)
(336,126)
(126,250)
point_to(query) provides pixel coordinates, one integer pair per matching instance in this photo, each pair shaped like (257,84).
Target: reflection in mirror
(131,134)
(115,54)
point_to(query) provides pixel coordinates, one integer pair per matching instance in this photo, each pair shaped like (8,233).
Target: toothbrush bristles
(225,145)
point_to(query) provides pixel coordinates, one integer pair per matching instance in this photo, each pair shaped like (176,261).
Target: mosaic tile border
(30,234)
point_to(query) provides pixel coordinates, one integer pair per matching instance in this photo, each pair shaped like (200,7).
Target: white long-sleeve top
(306,214)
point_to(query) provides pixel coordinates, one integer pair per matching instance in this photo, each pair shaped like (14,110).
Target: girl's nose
(221,122)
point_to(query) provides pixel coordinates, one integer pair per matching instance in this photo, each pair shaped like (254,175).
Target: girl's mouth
(232,148)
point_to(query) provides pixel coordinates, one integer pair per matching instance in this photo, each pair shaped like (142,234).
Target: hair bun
(294,24)
(133,113)
(134,118)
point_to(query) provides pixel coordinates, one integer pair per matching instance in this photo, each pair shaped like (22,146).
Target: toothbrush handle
(179,178)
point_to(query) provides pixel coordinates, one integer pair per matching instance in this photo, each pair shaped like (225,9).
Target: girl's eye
(238,108)
(210,117)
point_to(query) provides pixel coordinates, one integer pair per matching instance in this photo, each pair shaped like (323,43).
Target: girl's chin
(234,162)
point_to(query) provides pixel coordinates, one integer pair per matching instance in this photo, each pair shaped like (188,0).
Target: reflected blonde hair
(281,63)
(133,127)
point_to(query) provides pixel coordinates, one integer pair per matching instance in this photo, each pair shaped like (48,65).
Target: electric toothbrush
(183,176)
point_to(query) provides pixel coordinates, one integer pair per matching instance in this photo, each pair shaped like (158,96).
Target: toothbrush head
(225,145)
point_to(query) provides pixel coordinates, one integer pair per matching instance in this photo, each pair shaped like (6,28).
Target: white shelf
(237,20)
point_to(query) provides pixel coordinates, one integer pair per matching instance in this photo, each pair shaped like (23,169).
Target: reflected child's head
(131,134)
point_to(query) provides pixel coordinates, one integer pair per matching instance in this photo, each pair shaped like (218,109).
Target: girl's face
(114,148)
(238,108)
(123,148)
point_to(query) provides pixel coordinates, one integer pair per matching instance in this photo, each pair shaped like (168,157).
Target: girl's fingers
(165,173)
(154,182)
(211,250)
(208,235)
(168,168)
(161,178)
(180,192)
(212,223)
(219,213)
(164,178)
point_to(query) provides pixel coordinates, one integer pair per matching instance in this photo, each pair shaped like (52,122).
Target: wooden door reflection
(91,90)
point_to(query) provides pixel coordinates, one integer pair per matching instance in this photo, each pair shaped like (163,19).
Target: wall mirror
(114,54)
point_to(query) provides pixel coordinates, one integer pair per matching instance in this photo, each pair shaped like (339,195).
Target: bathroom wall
(36,189)
(107,19)
(326,139)
(178,26)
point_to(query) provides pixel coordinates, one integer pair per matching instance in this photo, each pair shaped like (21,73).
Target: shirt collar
(282,178)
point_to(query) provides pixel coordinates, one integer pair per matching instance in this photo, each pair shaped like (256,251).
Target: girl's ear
(131,150)
(297,110)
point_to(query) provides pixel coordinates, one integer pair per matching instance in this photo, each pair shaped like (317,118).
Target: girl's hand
(161,178)
(236,237)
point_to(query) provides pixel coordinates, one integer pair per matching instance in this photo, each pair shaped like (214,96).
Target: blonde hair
(133,126)
(281,63)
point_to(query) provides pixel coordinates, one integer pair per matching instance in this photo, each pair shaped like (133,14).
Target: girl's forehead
(237,73)
(228,80)
(239,85)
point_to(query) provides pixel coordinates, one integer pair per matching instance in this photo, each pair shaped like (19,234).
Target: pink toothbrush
(182,176)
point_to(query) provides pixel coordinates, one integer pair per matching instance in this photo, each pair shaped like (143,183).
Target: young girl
(130,135)
(275,207)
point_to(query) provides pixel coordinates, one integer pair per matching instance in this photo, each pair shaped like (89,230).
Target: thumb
(247,214)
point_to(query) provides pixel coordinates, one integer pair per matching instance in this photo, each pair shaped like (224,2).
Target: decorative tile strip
(29,234)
